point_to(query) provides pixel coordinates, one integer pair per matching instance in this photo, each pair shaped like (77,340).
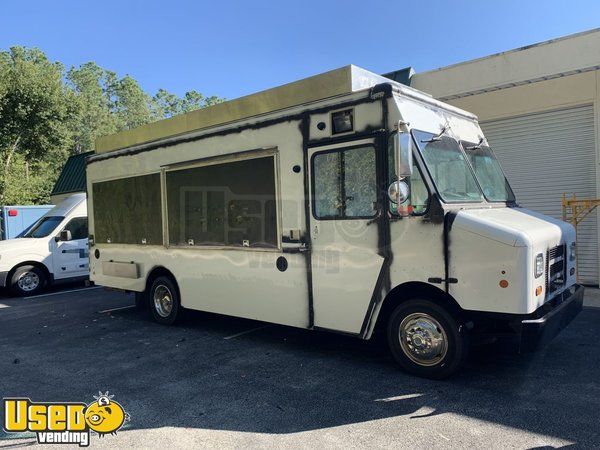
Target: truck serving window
(226,204)
(128,210)
(448,167)
(344,183)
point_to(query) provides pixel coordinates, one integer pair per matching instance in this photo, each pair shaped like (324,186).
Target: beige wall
(552,58)
(546,95)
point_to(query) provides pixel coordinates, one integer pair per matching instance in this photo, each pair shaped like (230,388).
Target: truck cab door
(344,235)
(71,258)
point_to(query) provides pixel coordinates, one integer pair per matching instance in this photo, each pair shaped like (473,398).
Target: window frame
(482,200)
(416,162)
(313,178)
(91,208)
(269,152)
(462,143)
(76,218)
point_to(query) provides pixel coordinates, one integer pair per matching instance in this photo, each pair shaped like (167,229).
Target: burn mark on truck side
(448,221)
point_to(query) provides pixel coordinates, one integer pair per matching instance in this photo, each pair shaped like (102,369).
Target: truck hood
(518,227)
(18,244)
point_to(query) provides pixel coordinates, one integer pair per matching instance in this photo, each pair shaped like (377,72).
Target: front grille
(555,269)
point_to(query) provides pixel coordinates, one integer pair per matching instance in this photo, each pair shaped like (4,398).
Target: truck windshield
(488,172)
(448,168)
(43,227)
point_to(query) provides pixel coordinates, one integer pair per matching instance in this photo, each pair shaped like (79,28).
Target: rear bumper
(548,322)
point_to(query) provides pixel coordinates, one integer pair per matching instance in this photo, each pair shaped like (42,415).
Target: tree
(132,107)
(47,114)
(90,83)
(36,109)
(169,105)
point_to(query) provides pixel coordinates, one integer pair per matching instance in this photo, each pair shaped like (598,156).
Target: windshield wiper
(436,137)
(477,146)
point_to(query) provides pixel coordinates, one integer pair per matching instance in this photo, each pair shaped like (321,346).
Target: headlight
(539,265)
(573,251)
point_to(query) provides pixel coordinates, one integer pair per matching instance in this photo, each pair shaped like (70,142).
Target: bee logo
(105,415)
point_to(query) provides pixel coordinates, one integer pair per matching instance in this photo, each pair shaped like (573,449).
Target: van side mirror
(65,235)
(403,152)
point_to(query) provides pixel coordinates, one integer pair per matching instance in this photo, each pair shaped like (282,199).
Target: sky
(230,48)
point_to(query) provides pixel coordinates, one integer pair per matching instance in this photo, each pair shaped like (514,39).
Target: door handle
(315,231)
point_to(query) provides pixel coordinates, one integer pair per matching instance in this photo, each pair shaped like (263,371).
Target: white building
(539,107)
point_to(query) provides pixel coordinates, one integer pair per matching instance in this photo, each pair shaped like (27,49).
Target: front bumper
(551,319)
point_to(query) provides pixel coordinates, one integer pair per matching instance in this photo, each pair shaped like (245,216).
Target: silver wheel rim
(423,339)
(28,281)
(163,300)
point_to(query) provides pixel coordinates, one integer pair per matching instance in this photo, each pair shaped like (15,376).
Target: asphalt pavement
(216,381)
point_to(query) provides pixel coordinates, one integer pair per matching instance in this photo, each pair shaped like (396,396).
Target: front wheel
(426,339)
(27,280)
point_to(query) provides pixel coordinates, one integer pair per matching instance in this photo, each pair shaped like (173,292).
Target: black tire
(161,312)
(417,353)
(27,280)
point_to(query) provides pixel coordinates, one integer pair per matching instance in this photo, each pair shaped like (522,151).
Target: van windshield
(43,227)
(488,172)
(448,167)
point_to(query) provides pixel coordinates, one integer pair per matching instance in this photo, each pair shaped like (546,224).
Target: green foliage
(169,105)
(47,113)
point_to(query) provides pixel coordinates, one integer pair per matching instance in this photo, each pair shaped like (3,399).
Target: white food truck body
(54,249)
(275,207)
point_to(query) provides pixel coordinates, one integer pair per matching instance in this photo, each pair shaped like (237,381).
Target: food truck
(344,202)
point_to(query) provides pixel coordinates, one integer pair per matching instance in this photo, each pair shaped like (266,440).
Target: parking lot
(219,381)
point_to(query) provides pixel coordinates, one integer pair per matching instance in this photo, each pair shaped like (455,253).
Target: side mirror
(65,235)
(398,192)
(403,152)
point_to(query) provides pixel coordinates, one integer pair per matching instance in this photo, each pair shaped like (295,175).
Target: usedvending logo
(64,422)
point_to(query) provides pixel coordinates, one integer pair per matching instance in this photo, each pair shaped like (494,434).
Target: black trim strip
(330,330)
(448,221)
(383,223)
(305,131)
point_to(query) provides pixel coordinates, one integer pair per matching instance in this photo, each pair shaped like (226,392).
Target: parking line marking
(62,292)
(246,332)
(398,397)
(116,309)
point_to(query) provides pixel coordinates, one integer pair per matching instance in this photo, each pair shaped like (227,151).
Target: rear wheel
(27,280)
(163,301)
(426,339)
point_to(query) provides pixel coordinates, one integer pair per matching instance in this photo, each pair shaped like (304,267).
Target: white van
(343,202)
(52,250)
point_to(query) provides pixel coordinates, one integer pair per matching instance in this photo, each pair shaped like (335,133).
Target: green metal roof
(72,177)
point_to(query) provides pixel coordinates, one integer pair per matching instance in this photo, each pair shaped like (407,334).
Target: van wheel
(427,340)
(27,280)
(163,300)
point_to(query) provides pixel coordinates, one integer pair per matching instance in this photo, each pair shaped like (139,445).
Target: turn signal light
(538,291)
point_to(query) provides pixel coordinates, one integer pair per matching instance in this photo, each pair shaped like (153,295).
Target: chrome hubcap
(423,339)
(163,300)
(28,281)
